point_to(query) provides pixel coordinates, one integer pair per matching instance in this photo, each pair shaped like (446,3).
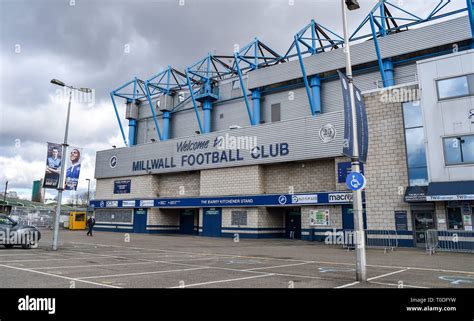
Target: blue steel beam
(252,56)
(166,82)
(470,10)
(118,118)
(305,77)
(377,51)
(138,92)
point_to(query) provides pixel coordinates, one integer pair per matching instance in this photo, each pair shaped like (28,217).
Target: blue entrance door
(139,220)
(212,222)
(186,222)
(293,223)
(348,218)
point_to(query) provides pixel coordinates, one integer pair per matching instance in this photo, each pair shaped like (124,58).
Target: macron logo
(37,304)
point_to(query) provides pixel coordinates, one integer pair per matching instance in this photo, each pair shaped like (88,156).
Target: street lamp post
(361,273)
(4,197)
(63,167)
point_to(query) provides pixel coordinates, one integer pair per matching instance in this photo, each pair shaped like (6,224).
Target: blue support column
(207,110)
(166,125)
(315,84)
(132,128)
(470,10)
(389,73)
(256,95)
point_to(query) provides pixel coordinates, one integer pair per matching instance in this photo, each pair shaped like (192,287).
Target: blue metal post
(242,86)
(315,84)
(256,95)
(207,110)
(132,128)
(389,73)
(305,78)
(148,95)
(193,99)
(118,119)
(470,10)
(207,107)
(377,50)
(166,125)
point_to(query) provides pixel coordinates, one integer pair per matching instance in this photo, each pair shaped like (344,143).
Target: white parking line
(387,274)
(140,273)
(279,259)
(58,276)
(109,264)
(223,281)
(347,285)
(403,286)
(276,266)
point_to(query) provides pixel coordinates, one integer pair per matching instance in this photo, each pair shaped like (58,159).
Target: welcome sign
(292,140)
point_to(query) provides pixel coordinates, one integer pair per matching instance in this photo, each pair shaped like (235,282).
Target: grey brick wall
(158,216)
(386,168)
(145,186)
(179,184)
(232,181)
(300,177)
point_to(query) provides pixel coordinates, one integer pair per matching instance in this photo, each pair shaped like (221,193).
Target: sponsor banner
(362,125)
(53,165)
(340,198)
(122,186)
(305,199)
(236,201)
(450,197)
(128,203)
(73,169)
(147,203)
(361,117)
(111,204)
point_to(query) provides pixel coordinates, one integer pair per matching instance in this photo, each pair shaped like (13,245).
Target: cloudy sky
(102,44)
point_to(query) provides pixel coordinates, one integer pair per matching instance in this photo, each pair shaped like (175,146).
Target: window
(236,84)
(455,218)
(239,218)
(459,150)
(275,112)
(5,221)
(415,144)
(455,87)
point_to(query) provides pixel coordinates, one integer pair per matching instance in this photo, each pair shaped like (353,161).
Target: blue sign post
(355,181)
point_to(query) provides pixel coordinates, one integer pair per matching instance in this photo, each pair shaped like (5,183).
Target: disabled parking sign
(355,181)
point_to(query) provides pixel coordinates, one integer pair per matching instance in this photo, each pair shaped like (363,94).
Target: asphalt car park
(115,260)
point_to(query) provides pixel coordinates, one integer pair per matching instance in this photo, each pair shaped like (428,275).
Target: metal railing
(376,239)
(37,218)
(449,241)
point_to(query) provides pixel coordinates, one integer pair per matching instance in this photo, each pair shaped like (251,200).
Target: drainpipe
(166,125)
(315,84)
(256,95)
(389,73)
(132,116)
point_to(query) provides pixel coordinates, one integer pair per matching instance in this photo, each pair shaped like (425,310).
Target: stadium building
(251,143)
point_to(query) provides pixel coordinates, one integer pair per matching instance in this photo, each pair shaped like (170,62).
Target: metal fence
(449,241)
(383,239)
(40,218)
(376,239)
